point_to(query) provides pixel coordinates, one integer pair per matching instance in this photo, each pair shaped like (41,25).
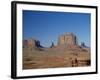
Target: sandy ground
(55,57)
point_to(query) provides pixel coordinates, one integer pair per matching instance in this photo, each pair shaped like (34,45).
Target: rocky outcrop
(31,44)
(68,39)
(52,45)
(69,42)
(83,45)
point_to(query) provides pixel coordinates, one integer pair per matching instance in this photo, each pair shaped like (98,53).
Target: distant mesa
(52,45)
(83,45)
(65,41)
(31,44)
(68,39)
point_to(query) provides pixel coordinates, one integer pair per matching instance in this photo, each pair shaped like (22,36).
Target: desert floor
(53,58)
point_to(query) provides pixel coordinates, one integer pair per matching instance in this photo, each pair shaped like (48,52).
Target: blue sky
(47,26)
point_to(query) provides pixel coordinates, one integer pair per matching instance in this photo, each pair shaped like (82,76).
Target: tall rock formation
(52,45)
(68,39)
(31,44)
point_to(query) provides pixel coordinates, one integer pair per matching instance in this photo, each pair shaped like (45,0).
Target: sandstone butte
(67,53)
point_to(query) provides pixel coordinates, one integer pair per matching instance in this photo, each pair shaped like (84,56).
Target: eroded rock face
(31,43)
(68,39)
